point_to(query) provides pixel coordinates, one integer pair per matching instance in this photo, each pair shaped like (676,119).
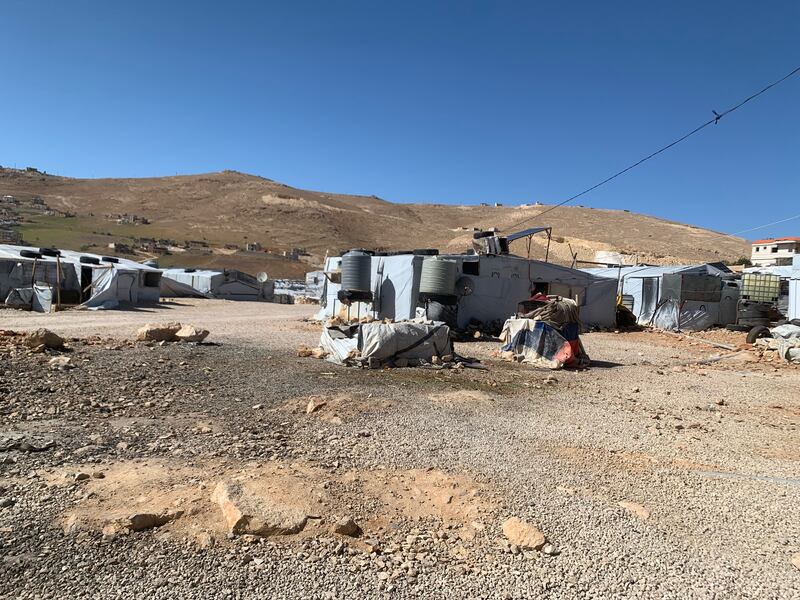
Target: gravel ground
(430,463)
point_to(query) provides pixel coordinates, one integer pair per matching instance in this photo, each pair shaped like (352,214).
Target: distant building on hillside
(10,236)
(775,251)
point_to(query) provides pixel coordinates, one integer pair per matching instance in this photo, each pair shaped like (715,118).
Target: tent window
(152,279)
(470,268)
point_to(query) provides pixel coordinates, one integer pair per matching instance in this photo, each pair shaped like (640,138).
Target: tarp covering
(539,343)
(339,343)
(386,342)
(172,288)
(673,315)
(39,298)
(406,339)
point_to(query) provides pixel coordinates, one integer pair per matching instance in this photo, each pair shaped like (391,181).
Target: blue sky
(458,102)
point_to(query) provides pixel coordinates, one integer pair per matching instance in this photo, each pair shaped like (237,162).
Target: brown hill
(236,208)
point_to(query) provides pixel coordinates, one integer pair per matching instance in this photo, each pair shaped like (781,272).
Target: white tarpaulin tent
(490,286)
(92,280)
(228,284)
(643,285)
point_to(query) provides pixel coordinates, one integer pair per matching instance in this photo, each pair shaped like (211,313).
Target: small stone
(637,509)
(347,526)
(158,332)
(314,404)
(81,476)
(44,337)
(550,550)
(257,406)
(142,521)
(6,502)
(523,534)
(61,363)
(98,475)
(190,333)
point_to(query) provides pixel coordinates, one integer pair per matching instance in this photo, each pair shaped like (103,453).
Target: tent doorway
(649,297)
(86,283)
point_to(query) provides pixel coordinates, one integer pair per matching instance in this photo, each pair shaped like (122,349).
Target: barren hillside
(236,208)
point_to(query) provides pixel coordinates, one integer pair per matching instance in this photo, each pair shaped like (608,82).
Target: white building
(775,251)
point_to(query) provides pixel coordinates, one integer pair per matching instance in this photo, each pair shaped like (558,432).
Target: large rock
(158,332)
(523,534)
(190,333)
(247,513)
(44,337)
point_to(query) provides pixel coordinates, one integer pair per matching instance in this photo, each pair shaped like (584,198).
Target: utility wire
(713,121)
(767,225)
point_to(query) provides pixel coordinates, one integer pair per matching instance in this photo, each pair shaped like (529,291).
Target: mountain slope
(235,208)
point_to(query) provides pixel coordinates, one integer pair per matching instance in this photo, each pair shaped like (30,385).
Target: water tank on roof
(356,271)
(438,277)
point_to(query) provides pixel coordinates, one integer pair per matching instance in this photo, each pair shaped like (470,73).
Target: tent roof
(643,271)
(70,256)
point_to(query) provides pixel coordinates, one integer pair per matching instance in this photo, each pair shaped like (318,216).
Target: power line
(767,225)
(713,121)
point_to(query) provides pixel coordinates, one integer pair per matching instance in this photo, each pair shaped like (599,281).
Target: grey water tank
(438,277)
(356,271)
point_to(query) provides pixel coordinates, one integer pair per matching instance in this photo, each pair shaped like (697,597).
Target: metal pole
(547,252)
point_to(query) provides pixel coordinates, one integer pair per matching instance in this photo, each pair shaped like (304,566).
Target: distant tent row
(228,284)
(37,278)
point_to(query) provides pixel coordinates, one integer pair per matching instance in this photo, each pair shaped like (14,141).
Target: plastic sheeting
(39,298)
(172,288)
(671,315)
(386,342)
(540,344)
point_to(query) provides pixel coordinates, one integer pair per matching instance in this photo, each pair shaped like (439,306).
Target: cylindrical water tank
(438,277)
(356,271)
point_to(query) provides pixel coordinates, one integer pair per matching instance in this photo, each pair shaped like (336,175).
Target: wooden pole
(58,283)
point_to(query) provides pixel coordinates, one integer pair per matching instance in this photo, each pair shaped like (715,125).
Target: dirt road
(662,471)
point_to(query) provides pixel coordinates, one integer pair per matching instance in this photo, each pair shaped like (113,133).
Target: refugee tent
(109,281)
(23,267)
(91,280)
(228,284)
(488,289)
(647,289)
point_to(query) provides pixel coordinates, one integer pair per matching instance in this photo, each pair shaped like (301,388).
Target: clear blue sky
(457,102)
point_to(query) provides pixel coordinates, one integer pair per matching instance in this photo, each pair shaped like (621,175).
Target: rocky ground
(233,468)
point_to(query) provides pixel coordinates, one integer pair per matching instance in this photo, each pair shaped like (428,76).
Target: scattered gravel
(650,475)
